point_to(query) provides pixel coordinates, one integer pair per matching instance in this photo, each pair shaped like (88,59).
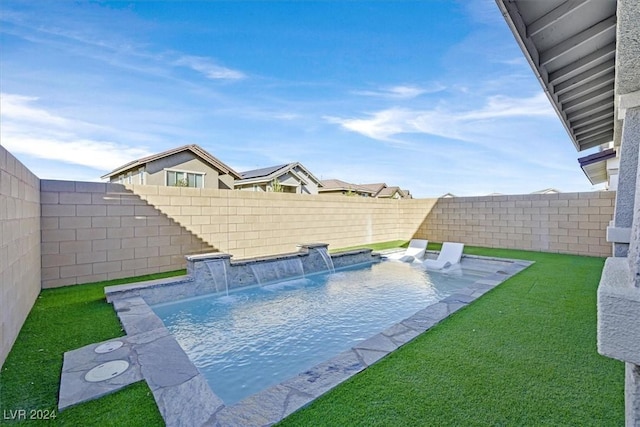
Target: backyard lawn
(523,354)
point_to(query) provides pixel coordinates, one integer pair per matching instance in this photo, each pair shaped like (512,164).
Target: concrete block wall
(100,231)
(97,231)
(19,247)
(572,223)
(248,224)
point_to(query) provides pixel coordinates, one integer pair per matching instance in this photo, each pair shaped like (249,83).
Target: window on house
(288,189)
(185,179)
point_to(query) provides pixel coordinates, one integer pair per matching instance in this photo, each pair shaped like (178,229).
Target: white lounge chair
(450,254)
(415,251)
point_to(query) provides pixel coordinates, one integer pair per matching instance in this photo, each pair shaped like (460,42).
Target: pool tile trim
(183,395)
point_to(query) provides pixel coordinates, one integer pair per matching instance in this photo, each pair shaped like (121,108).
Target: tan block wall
(247,224)
(572,223)
(19,247)
(93,231)
(98,231)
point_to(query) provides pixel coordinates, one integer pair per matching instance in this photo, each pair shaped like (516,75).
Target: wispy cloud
(387,125)
(513,61)
(113,43)
(482,11)
(208,68)
(401,91)
(34,131)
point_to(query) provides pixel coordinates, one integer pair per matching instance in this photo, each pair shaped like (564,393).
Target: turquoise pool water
(259,336)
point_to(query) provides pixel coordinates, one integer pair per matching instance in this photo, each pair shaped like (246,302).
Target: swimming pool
(259,336)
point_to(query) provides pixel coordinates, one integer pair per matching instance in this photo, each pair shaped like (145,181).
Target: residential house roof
(595,165)
(195,149)
(374,190)
(571,47)
(338,185)
(271,172)
(389,192)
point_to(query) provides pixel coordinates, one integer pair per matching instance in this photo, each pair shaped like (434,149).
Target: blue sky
(433,96)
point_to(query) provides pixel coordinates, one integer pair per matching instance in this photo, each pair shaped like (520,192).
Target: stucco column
(632,395)
(631,131)
(632,380)
(620,231)
(619,290)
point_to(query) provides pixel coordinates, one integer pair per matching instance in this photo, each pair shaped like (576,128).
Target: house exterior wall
(311,187)
(154,172)
(291,181)
(225,182)
(183,161)
(19,247)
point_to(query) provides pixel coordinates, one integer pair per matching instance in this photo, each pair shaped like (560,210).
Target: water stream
(281,269)
(324,253)
(218,270)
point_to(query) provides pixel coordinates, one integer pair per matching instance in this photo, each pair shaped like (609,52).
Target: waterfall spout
(324,253)
(218,270)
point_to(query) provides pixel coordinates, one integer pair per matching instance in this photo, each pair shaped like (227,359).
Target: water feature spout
(218,270)
(277,270)
(324,253)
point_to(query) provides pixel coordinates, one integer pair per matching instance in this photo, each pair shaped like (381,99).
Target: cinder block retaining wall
(19,247)
(573,223)
(93,231)
(248,224)
(98,231)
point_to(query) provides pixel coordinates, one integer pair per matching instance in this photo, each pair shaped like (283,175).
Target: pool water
(257,337)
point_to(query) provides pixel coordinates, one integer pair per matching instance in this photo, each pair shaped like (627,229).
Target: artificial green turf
(522,355)
(375,246)
(65,319)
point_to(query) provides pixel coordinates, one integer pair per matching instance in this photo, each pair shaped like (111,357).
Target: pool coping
(182,393)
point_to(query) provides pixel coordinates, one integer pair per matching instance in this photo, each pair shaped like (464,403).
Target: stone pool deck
(185,399)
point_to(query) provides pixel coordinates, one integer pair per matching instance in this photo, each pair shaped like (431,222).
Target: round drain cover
(106,371)
(108,347)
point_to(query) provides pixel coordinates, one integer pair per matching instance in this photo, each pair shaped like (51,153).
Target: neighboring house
(393,193)
(448,196)
(384,191)
(336,186)
(374,188)
(380,190)
(289,178)
(186,166)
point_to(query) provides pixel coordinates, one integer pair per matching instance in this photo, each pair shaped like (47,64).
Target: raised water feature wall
(205,273)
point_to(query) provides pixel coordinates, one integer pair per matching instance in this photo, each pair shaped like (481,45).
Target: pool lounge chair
(415,251)
(450,254)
